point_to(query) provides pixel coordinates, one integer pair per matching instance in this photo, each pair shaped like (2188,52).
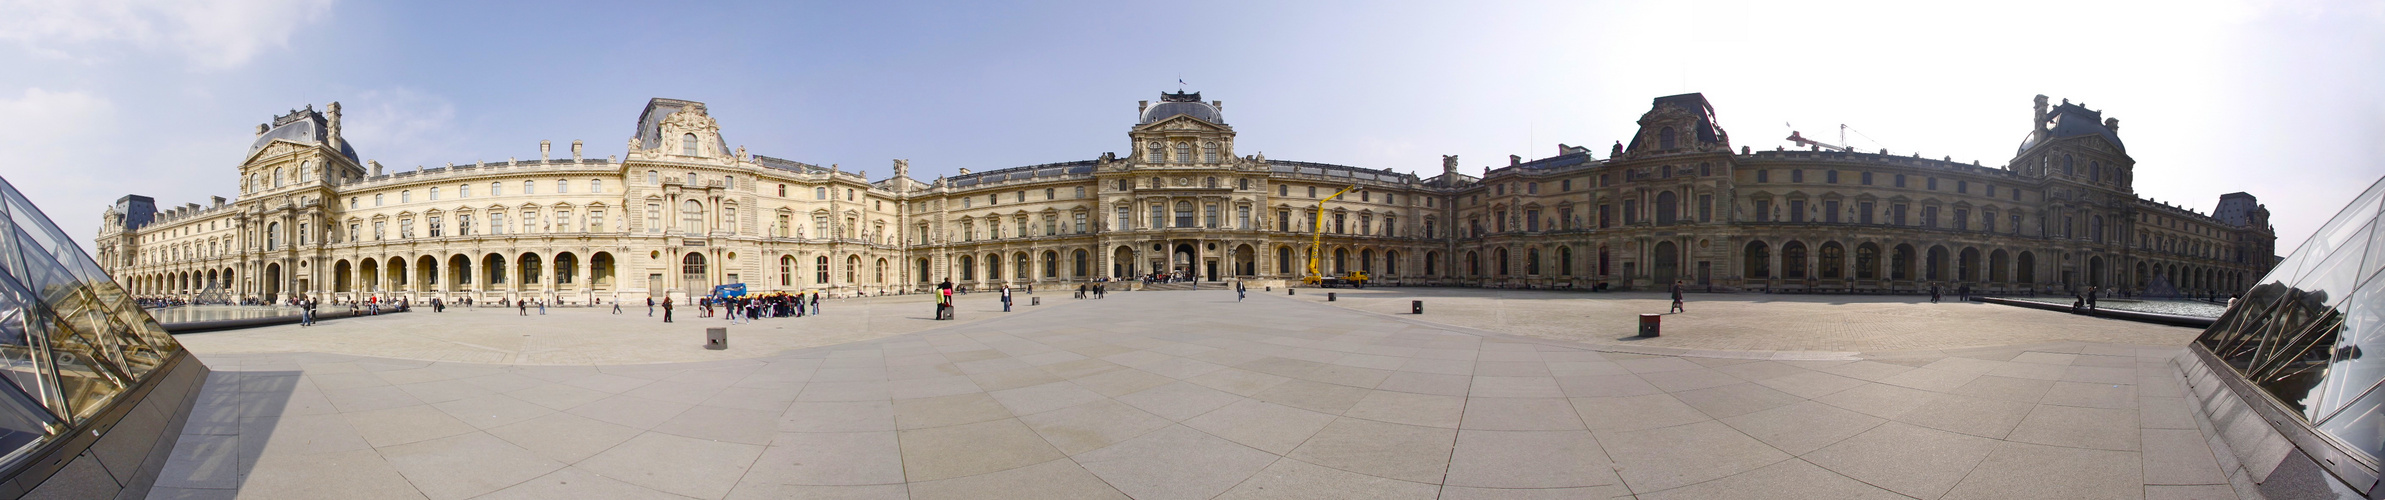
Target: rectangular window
(1929,217)
(1080,222)
(1987,222)
(438,227)
(1796,210)
(1209,216)
(1565,217)
(352,231)
(653,218)
(1159,216)
(1900,180)
(1963,187)
(1051,224)
(1705,208)
(562,186)
(1312,191)
(1565,185)
(596,186)
(497,223)
(1532,220)
(1606,216)
(1283,220)
(1631,211)
(1896,214)
(1125,220)
(1962,220)
(1080,191)
(1867,178)
(1797,175)
(1763,175)
(1242,218)
(405,229)
(1933,184)
(529,187)
(529,221)
(1865,212)
(1763,210)
(596,220)
(1830,211)
(380,230)
(1831,176)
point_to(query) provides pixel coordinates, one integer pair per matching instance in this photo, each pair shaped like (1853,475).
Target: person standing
(1005,298)
(542,307)
(2091,298)
(523,306)
(307,312)
(816,303)
(1240,291)
(1676,299)
(1934,294)
(650,306)
(666,309)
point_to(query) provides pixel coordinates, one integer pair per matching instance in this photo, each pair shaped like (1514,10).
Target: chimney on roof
(376,167)
(1220,105)
(1140,106)
(331,125)
(1513,160)
(545,149)
(575,150)
(2112,124)
(261,130)
(219,200)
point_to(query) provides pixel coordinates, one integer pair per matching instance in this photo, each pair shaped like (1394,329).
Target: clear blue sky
(111,97)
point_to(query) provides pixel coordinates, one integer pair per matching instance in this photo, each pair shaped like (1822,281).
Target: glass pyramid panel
(71,340)
(2303,334)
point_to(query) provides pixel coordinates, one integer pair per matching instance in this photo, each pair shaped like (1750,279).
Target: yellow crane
(1316,241)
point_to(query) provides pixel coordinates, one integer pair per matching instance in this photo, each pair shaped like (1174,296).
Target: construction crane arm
(1317,238)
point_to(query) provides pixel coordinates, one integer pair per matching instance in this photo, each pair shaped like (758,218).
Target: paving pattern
(1754,322)
(1165,395)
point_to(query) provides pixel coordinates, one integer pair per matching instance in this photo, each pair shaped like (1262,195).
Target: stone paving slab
(1195,395)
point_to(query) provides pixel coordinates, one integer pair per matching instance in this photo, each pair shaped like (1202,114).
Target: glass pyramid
(71,340)
(2302,333)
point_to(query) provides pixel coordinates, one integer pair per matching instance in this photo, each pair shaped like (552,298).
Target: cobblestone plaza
(1193,394)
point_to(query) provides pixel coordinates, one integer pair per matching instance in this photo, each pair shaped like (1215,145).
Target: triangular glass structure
(2302,334)
(71,340)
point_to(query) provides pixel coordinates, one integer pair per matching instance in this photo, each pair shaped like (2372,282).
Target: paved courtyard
(1162,395)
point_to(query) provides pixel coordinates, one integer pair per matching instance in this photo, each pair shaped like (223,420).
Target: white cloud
(213,34)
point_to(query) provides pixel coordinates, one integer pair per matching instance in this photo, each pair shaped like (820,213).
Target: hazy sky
(104,98)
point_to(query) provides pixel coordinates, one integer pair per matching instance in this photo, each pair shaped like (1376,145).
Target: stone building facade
(680,212)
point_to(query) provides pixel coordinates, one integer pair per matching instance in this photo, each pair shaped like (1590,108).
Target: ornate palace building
(680,211)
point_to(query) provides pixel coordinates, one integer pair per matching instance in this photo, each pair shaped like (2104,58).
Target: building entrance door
(1211,269)
(1668,264)
(1705,273)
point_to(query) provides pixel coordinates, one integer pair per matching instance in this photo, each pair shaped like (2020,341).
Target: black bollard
(1328,296)
(1289,291)
(1416,307)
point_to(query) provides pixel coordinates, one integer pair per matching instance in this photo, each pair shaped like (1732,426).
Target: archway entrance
(273,282)
(691,274)
(1182,258)
(1668,263)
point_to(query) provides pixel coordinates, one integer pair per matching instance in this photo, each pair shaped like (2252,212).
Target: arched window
(529,187)
(687,144)
(1664,138)
(277,177)
(653,178)
(782,190)
(1184,214)
(691,216)
(434,194)
(1209,153)
(692,265)
(562,186)
(1154,153)
(496,189)
(2066,170)
(1183,153)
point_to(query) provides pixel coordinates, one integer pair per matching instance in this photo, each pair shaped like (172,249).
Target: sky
(104,98)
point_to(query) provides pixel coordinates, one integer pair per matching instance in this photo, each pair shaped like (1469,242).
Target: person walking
(666,309)
(1676,299)
(1240,291)
(1934,293)
(542,307)
(649,306)
(816,304)
(307,309)
(1005,298)
(523,306)
(616,307)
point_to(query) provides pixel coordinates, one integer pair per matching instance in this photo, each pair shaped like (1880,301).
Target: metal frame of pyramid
(76,352)
(2296,347)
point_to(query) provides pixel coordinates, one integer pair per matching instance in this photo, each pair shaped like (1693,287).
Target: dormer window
(1664,138)
(687,144)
